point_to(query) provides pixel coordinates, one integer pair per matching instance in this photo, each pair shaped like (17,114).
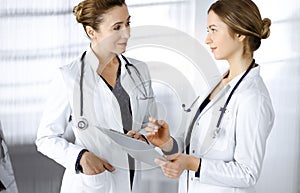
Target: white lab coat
(100,108)
(7,177)
(232,162)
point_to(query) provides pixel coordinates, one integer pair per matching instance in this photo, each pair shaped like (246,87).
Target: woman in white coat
(101,88)
(225,155)
(7,178)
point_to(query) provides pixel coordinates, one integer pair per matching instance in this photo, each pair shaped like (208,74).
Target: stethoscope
(82,122)
(222,109)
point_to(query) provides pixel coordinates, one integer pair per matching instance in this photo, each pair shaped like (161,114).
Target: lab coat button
(193,151)
(192,178)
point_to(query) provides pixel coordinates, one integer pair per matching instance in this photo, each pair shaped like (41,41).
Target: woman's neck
(237,67)
(106,59)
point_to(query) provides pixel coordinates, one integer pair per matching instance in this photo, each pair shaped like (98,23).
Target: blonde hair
(90,12)
(243,17)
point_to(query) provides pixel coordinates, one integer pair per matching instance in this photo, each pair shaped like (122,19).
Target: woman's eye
(117,28)
(128,23)
(211,30)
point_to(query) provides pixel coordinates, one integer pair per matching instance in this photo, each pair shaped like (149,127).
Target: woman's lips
(213,49)
(123,44)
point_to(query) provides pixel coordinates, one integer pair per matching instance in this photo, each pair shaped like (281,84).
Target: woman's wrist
(193,163)
(168,146)
(78,167)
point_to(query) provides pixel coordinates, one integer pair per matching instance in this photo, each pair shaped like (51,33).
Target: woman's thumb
(171,157)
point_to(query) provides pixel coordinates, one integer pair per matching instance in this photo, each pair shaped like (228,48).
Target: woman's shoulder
(141,66)
(73,63)
(136,62)
(253,84)
(254,92)
(70,72)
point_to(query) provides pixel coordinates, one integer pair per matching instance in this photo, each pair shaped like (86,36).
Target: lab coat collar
(123,63)
(92,60)
(254,72)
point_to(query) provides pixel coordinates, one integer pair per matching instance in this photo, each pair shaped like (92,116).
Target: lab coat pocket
(195,186)
(95,183)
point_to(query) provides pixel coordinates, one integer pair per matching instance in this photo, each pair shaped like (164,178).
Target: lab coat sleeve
(179,142)
(53,125)
(253,124)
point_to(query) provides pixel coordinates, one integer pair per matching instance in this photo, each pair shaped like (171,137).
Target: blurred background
(37,36)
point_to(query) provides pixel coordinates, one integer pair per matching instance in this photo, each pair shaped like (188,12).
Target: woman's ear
(240,37)
(90,32)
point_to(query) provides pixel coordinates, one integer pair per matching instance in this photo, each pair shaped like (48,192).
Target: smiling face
(113,33)
(224,44)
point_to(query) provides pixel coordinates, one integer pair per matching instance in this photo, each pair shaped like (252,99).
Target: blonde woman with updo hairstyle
(104,89)
(225,144)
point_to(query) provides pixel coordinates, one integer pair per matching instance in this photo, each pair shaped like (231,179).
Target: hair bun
(265,32)
(77,11)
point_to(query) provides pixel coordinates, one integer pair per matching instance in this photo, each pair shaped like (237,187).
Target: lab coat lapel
(223,92)
(129,87)
(216,99)
(216,103)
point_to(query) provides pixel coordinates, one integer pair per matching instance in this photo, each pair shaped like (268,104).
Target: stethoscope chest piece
(82,123)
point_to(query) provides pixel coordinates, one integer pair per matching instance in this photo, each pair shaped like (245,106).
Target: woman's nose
(126,33)
(208,39)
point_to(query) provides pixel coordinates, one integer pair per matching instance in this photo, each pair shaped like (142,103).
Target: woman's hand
(136,135)
(177,163)
(92,165)
(157,132)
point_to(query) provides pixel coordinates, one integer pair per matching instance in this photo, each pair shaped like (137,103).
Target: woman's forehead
(116,14)
(213,20)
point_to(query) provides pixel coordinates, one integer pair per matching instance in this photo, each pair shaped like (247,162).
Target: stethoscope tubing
(224,108)
(82,122)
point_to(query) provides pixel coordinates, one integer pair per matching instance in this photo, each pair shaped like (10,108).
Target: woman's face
(114,31)
(223,44)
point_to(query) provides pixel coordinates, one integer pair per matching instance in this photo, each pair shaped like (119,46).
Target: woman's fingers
(169,169)
(152,127)
(162,123)
(108,167)
(150,131)
(140,137)
(92,164)
(131,133)
(156,122)
(159,162)
(170,173)
(137,135)
(152,120)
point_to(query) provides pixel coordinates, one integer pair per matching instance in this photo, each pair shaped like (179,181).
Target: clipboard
(140,150)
